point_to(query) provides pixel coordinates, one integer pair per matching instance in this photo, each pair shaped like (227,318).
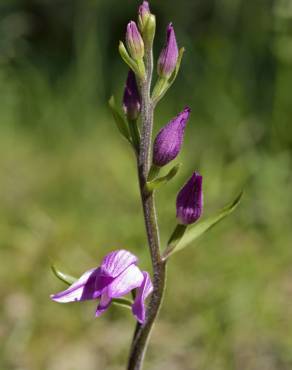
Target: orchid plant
(118,273)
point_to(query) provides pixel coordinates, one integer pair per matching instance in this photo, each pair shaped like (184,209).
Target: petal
(84,288)
(104,303)
(138,307)
(116,262)
(130,279)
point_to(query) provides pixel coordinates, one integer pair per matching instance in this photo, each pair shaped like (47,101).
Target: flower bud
(169,55)
(143,15)
(189,201)
(131,99)
(134,41)
(169,140)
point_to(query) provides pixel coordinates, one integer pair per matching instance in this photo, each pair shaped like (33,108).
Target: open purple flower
(169,140)
(169,54)
(117,275)
(189,201)
(131,99)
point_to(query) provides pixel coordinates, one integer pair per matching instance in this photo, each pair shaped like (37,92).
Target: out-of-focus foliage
(68,191)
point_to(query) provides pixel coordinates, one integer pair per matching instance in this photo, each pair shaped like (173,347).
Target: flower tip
(144,7)
(189,202)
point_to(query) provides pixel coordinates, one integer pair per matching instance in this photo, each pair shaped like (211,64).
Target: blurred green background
(68,188)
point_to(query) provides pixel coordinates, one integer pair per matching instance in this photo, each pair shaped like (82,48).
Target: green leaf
(68,279)
(119,120)
(201,227)
(158,182)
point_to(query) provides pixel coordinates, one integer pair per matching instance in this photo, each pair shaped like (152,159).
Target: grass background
(68,188)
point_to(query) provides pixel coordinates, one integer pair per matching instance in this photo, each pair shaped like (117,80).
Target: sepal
(201,227)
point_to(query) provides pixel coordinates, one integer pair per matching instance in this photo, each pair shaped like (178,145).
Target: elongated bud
(131,99)
(143,15)
(169,140)
(169,55)
(189,201)
(134,41)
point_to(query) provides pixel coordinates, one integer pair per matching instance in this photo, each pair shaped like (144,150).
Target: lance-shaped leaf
(201,227)
(69,280)
(164,84)
(119,120)
(158,182)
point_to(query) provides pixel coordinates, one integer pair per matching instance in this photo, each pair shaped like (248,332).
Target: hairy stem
(142,332)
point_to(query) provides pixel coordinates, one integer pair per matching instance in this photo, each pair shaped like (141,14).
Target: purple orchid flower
(117,275)
(134,41)
(189,201)
(169,55)
(131,99)
(169,140)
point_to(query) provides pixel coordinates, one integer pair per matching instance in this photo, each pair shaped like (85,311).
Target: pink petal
(130,279)
(116,262)
(83,289)
(138,307)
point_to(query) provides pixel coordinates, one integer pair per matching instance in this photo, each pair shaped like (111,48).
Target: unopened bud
(169,55)
(189,201)
(131,99)
(143,15)
(169,140)
(134,41)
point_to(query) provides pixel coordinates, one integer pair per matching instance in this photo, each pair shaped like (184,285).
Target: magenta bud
(134,41)
(169,55)
(131,99)
(189,201)
(169,140)
(143,14)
